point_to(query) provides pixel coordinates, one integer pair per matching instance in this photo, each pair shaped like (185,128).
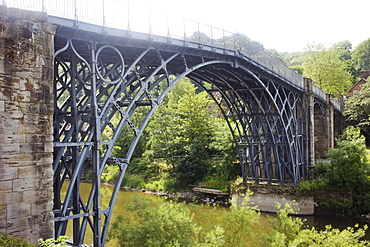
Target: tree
(181,132)
(361,55)
(349,168)
(326,70)
(344,50)
(358,110)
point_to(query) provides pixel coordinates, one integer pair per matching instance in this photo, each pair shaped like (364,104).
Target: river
(124,197)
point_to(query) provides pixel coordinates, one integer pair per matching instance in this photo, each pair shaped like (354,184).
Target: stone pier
(26,124)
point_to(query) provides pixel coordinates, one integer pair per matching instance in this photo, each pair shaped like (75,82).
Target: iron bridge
(104,73)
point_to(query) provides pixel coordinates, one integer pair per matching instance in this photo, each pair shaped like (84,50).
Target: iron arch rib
(96,83)
(262,131)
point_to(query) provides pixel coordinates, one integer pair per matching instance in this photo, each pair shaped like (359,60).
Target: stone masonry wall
(26,119)
(321,135)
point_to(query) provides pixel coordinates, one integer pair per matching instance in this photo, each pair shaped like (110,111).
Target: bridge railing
(122,14)
(129,16)
(319,92)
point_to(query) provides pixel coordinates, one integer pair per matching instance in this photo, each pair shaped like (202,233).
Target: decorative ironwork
(96,83)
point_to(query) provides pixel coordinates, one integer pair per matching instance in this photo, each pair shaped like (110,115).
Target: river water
(125,197)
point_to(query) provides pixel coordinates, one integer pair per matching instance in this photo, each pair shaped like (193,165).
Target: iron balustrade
(128,16)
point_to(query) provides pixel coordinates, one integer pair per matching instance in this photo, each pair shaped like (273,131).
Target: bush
(349,168)
(133,181)
(288,232)
(60,242)
(311,187)
(110,174)
(8,240)
(157,222)
(155,186)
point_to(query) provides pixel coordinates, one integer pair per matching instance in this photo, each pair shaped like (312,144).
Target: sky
(283,25)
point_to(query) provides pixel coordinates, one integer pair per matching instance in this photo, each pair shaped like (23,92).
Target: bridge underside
(100,78)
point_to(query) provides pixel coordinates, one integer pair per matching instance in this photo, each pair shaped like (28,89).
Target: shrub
(157,224)
(161,223)
(60,242)
(155,186)
(288,232)
(8,240)
(110,173)
(311,187)
(133,181)
(349,167)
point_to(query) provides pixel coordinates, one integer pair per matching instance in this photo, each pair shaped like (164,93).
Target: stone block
(22,163)
(2,216)
(10,127)
(18,210)
(40,207)
(8,173)
(24,96)
(28,172)
(10,198)
(9,148)
(6,186)
(11,139)
(25,184)
(48,147)
(22,157)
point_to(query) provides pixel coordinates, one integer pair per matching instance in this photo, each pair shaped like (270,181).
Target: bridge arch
(96,80)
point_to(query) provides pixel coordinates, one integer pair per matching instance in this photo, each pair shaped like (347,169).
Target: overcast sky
(283,25)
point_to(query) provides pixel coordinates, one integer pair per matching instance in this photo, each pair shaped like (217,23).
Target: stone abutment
(26,124)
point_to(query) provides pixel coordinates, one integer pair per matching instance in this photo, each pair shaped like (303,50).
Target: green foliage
(327,70)
(156,224)
(8,240)
(358,109)
(157,185)
(331,237)
(339,205)
(348,170)
(185,135)
(289,231)
(349,167)
(192,165)
(241,222)
(344,51)
(61,241)
(361,55)
(133,181)
(285,228)
(320,182)
(162,223)
(110,174)
(215,184)
(310,187)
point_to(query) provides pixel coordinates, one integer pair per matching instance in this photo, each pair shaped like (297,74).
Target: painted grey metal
(99,78)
